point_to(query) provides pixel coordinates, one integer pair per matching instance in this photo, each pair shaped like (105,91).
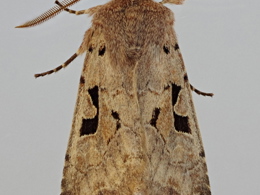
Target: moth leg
(59,67)
(70,10)
(200,92)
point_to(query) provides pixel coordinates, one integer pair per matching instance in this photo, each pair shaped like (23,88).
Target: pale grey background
(220,44)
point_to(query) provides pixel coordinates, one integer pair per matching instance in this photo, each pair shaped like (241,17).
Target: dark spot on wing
(186,77)
(175,93)
(102,51)
(166,49)
(155,116)
(67,157)
(89,126)
(202,154)
(176,46)
(181,123)
(167,87)
(90,49)
(82,80)
(116,116)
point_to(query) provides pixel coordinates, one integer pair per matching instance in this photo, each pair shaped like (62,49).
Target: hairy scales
(134,129)
(135,96)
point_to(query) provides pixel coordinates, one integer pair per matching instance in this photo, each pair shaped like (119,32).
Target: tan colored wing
(135,129)
(48,14)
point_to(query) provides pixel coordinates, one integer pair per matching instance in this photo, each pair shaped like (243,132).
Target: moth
(134,129)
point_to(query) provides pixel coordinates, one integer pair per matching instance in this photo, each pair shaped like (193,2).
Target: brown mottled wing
(48,14)
(134,129)
(173,140)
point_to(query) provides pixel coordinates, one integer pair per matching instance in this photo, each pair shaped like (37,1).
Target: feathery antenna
(48,14)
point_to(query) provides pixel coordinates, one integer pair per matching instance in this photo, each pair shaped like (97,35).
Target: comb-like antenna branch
(48,14)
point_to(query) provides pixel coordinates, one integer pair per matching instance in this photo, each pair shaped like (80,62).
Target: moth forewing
(134,129)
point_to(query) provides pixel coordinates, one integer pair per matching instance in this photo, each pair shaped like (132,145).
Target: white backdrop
(220,44)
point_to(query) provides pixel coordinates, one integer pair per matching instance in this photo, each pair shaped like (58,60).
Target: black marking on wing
(175,92)
(181,123)
(186,77)
(155,116)
(167,87)
(67,157)
(166,49)
(82,80)
(102,51)
(176,46)
(116,116)
(202,154)
(90,49)
(89,126)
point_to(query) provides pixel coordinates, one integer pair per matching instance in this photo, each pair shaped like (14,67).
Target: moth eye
(115,115)
(89,126)
(166,49)
(155,116)
(102,51)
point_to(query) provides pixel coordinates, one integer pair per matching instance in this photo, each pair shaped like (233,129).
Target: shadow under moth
(134,129)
